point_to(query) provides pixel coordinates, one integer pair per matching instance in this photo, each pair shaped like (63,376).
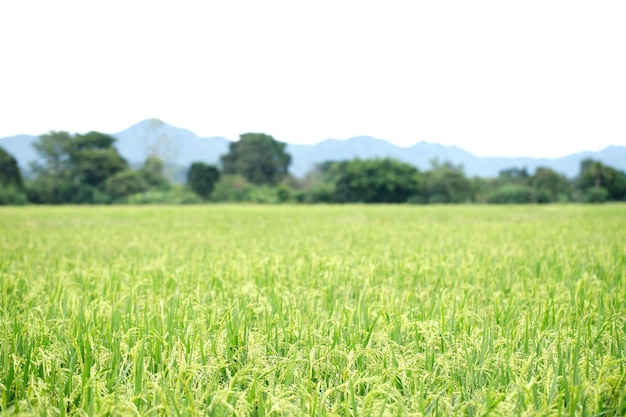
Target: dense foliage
(372,181)
(313,311)
(595,176)
(9,171)
(201,178)
(11,184)
(74,168)
(257,157)
(87,169)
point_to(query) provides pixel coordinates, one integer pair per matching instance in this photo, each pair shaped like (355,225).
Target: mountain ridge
(180,146)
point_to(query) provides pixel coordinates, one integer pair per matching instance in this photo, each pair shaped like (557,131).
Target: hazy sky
(531,78)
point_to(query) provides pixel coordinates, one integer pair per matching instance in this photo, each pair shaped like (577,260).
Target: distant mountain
(180,147)
(421,154)
(173,144)
(365,147)
(21,148)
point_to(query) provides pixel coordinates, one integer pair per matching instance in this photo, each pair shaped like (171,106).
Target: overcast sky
(525,78)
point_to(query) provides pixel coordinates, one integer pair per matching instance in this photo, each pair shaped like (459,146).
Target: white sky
(524,78)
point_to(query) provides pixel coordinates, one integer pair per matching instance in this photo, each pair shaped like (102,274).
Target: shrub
(438,199)
(11,195)
(596,195)
(232,188)
(125,183)
(175,195)
(512,194)
(417,199)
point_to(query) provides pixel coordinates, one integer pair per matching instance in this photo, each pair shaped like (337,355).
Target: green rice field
(313,311)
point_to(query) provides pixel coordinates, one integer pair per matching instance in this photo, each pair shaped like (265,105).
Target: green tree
(548,182)
(374,180)
(94,159)
(596,195)
(257,157)
(152,172)
(514,175)
(201,178)
(594,174)
(52,184)
(481,188)
(10,174)
(447,183)
(73,169)
(124,184)
(234,188)
(11,185)
(512,193)
(315,187)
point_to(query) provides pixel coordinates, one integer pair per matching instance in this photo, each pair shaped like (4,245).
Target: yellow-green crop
(343,310)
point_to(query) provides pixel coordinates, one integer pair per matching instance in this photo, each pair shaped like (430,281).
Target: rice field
(313,311)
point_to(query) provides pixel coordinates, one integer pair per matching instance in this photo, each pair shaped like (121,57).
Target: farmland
(313,310)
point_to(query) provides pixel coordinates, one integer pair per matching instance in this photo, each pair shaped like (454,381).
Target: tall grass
(318,311)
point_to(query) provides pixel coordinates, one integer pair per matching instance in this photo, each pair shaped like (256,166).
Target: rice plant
(314,311)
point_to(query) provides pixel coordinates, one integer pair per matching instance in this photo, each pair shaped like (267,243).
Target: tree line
(88,169)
